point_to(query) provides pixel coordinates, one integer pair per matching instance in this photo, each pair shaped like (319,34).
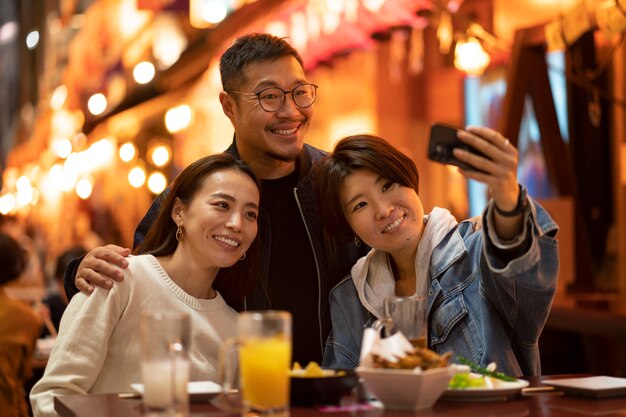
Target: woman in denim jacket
(489,280)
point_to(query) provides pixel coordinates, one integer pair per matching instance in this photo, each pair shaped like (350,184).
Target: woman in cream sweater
(208,222)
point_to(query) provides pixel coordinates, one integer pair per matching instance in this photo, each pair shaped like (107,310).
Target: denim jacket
(485,304)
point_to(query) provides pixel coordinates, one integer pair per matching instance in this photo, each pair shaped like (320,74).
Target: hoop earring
(179,234)
(357,241)
(243,257)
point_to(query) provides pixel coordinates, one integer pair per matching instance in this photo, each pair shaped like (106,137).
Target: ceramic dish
(593,386)
(405,389)
(503,389)
(322,390)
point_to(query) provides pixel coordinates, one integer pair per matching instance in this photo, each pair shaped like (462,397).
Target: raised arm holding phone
(489,281)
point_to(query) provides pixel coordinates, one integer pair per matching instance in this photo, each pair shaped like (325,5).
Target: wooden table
(552,404)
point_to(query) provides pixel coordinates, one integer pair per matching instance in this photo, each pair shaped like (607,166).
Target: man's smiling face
(263,136)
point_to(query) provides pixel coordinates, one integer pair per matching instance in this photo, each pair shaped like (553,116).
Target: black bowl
(325,390)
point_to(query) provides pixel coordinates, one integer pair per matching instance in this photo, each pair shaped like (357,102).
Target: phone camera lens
(440,151)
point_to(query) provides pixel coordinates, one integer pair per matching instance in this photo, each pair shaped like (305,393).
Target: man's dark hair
(13,259)
(248,49)
(64,259)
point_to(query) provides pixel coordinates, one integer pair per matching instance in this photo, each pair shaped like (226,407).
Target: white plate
(593,386)
(503,389)
(199,391)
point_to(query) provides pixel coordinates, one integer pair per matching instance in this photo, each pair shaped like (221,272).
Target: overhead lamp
(472,51)
(470,56)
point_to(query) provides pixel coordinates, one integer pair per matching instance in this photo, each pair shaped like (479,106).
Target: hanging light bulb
(470,57)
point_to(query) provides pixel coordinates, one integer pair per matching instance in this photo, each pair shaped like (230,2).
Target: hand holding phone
(443,140)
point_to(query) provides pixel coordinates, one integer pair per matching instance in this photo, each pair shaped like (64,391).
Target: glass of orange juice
(263,351)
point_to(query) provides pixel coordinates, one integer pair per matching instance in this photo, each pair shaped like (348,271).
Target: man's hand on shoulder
(101,267)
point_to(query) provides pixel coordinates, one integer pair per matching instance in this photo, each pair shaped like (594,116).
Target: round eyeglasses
(273,98)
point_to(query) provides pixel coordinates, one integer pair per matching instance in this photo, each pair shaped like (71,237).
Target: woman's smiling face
(385,215)
(220,222)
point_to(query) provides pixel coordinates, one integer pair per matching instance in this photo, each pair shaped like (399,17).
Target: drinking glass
(262,352)
(407,315)
(165,338)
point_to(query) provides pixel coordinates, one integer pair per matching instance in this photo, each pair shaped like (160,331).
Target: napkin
(389,348)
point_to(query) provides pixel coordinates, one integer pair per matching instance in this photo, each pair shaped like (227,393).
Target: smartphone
(442,141)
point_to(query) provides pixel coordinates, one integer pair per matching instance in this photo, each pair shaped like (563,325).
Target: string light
(137,177)
(157,182)
(97,104)
(127,152)
(144,72)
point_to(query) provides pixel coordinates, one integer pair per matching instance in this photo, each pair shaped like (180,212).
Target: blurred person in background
(19,329)
(56,299)
(32,275)
(208,224)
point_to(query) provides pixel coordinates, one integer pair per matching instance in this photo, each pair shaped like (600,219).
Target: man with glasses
(270,104)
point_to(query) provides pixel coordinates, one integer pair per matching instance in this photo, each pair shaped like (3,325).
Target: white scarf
(372,274)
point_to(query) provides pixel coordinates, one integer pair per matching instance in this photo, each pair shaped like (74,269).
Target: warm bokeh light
(169,41)
(157,182)
(55,175)
(59,97)
(160,155)
(79,141)
(214,11)
(84,187)
(97,104)
(178,118)
(68,180)
(102,152)
(137,177)
(77,163)
(277,28)
(24,194)
(35,197)
(373,6)
(9,177)
(129,19)
(7,204)
(127,152)
(49,185)
(63,124)
(62,148)
(470,57)
(144,72)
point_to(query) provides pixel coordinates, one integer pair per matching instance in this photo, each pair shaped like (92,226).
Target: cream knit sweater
(97,349)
